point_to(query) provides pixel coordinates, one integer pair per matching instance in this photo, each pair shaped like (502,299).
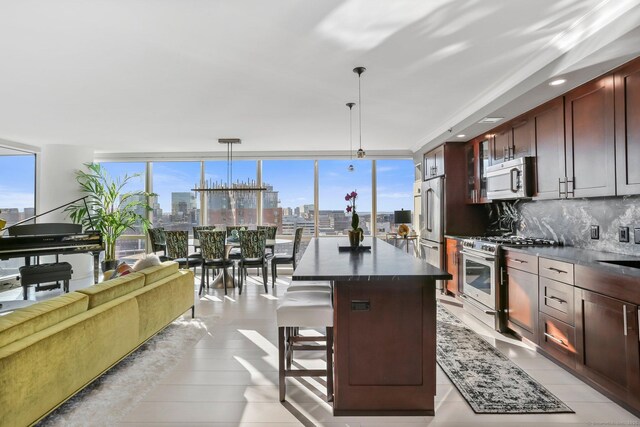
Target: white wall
(56,185)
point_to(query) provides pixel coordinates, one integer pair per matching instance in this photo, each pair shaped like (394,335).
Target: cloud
(397,195)
(383,169)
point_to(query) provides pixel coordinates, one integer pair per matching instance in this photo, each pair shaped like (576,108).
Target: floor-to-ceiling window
(175,207)
(335,181)
(394,191)
(231,207)
(133,242)
(288,201)
(17,196)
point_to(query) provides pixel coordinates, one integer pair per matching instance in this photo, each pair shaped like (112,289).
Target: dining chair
(252,254)
(178,249)
(212,246)
(197,229)
(158,241)
(271,231)
(285,258)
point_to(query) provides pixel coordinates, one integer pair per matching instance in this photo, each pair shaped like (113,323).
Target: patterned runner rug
(487,379)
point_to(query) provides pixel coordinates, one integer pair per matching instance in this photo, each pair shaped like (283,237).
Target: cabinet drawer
(558,340)
(520,261)
(556,299)
(556,270)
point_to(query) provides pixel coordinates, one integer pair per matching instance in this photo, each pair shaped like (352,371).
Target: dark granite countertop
(322,261)
(584,257)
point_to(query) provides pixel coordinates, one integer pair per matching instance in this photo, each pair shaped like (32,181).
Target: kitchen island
(384,326)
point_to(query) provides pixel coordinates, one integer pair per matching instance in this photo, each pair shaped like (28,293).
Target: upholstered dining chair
(252,254)
(178,249)
(158,241)
(271,231)
(197,229)
(285,258)
(212,246)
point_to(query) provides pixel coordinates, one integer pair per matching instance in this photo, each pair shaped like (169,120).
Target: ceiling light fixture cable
(359,70)
(350,105)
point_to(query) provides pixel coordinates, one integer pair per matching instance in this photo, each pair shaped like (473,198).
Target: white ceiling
(174,75)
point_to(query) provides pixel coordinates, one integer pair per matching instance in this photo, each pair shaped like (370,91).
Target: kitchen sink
(625,263)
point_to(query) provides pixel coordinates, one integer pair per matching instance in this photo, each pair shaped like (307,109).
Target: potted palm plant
(111,209)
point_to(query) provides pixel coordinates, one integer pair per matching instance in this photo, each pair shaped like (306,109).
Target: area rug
(486,378)
(114,394)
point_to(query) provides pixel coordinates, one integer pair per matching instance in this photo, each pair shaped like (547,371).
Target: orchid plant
(351,208)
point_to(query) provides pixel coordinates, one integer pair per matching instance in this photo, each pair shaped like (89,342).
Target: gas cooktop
(490,243)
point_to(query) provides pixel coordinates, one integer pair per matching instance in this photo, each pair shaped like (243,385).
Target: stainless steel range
(482,293)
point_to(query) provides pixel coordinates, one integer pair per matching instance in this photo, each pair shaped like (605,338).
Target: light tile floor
(230,377)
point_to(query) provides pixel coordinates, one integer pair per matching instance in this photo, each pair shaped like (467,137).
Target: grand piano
(32,240)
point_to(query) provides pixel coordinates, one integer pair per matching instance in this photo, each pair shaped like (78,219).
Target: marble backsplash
(569,221)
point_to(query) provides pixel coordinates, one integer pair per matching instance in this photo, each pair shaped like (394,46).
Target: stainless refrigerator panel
(433,210)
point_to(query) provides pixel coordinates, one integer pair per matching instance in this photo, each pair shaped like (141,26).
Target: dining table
(228,248)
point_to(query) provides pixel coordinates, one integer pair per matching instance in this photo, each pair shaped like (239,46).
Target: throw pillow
(149,260)
(121,270)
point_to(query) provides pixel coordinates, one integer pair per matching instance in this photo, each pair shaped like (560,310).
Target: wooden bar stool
(308,309)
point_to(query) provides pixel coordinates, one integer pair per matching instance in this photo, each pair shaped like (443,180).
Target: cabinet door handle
(573,185)
(558,340)
(560,300)
(560,192)
(624,318)
(555,270)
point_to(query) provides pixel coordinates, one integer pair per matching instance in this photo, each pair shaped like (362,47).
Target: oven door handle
(463,252)
(477,306)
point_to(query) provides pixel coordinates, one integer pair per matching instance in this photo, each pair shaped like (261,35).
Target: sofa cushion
(159,272)
(29,320)
(112,289)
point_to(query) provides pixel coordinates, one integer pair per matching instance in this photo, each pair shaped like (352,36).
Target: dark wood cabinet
(548,124)
(434,163)
(627,113)
(558,339)
(523,138)
(607,347)
(501,145)
(590,140)
(477,161)
(453,248)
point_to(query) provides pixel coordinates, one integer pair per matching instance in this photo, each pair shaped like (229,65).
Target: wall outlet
(595,232)
(636,235)
(623,234)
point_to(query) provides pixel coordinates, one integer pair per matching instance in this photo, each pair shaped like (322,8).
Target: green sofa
(51,350)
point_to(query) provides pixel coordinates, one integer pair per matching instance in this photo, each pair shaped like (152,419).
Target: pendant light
(359,70)
(350,105)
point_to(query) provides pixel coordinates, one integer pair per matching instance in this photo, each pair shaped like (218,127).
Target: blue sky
(292,178)
(17,181)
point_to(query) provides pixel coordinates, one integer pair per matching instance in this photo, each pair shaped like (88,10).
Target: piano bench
(45,273)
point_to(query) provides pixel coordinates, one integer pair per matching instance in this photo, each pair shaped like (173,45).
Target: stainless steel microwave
(510,180)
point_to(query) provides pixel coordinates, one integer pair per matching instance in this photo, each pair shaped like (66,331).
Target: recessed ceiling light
(557,82)
(462,135)
(491,119)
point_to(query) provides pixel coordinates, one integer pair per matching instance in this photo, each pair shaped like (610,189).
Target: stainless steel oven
(479,277)
(479,282)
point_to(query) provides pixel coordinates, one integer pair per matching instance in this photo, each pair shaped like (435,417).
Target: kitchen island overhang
(384,326)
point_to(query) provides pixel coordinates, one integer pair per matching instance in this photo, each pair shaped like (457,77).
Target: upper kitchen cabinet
(590,136)
(477,161)
(627,113)
(512,140)
(522,138)
(501,145)
(434,163)
(548,124)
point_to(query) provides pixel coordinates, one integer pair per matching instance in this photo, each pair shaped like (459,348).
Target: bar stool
(309,286)
(310,309)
